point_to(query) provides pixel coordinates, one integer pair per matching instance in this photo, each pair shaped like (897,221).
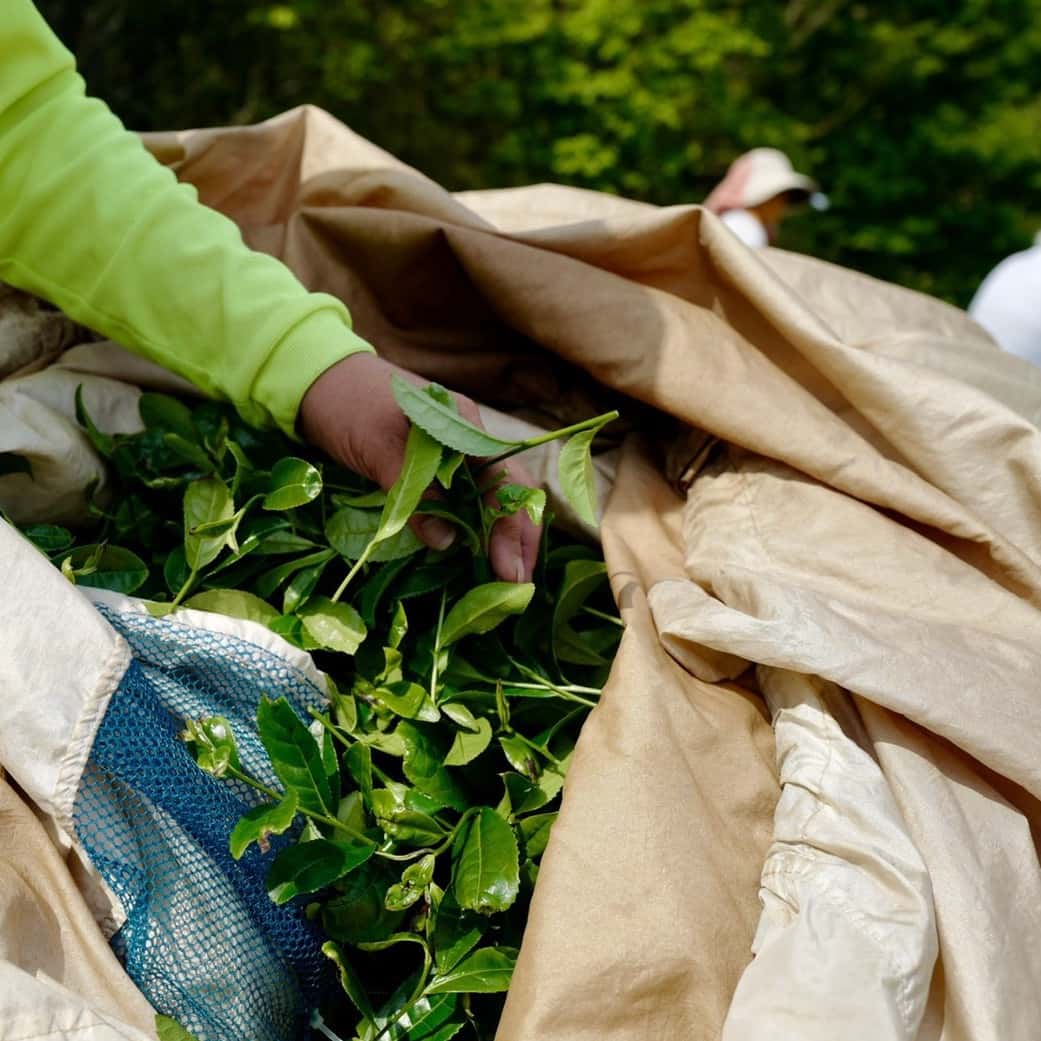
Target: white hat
(757,176)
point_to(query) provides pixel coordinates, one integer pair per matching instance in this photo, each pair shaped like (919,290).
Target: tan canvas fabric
(836,480)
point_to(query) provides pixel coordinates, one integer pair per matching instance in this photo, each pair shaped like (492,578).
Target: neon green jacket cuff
(90,221)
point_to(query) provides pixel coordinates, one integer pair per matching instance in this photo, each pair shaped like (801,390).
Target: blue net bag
(201,939)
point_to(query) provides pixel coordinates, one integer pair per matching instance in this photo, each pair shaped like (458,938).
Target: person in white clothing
(759,189)
(1008,303)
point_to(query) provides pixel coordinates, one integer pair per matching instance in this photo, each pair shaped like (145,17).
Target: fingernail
(518,570)
(436,533)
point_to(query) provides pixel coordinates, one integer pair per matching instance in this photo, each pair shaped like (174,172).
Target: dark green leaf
(486,971)
(314,865)
(423,765)
(301,587)
(535,830)
(48,537)
(166,413)
(105,567)
(269,582)
(103,443)
(273,818)
(350,981)
(295,755)
(486,877)
(357,913)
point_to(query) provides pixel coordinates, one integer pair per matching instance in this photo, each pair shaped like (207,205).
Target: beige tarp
(825,537)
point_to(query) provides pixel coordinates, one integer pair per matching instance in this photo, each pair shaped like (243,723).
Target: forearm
(91,222)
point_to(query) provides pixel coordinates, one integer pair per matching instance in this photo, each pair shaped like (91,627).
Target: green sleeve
(90,221)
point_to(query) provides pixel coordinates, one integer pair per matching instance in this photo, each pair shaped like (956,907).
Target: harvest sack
(806,805)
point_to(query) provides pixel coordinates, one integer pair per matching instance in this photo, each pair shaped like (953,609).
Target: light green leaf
(446,471)
(333,625)
(409,700)
(512,498)
(443,423)
(520,757)
(167,1029)
(484,607)
(212,742)
(469,744)
(577,476)
(398,626)
(273,818)
(418,469)
(302,586)
(310,866)
(205,500)
(486,878)
(236,603)
(295,755)
(350,530)
(487,971)
(293,482)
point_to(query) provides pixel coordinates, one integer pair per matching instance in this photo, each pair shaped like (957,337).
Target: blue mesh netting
(201,939)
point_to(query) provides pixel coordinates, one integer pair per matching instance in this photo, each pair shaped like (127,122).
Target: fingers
(514,547)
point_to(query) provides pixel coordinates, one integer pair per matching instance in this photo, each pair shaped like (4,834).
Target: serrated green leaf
(333,625)
(295,755)
(443,423)
(273,818)
(486,876)
(484,607)
(423,764)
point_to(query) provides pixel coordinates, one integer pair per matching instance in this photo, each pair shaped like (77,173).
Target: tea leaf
(295,755)
(487,872)
(293,482)
(443,423)
(484,607)
(272,818)
(236,603)
(486,971)
(333,625)
(311,866)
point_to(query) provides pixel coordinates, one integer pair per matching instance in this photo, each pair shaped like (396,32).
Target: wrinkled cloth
(829,523)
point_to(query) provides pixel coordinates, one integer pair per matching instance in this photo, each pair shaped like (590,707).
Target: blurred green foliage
(922,119)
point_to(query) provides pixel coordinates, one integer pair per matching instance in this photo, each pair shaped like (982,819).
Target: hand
(350,413)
